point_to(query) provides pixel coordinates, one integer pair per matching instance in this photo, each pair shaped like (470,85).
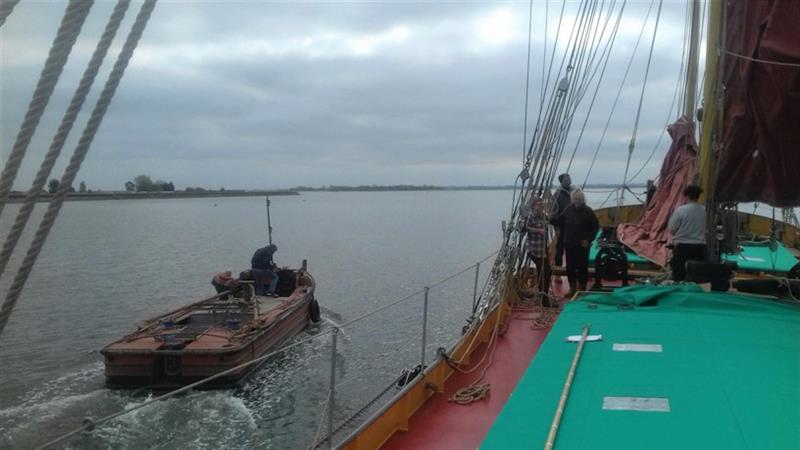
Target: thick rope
(68,32)
(6,6)
(75,162)
(64,129)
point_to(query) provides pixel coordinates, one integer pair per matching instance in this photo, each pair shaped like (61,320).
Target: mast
(712,119)
(691,67)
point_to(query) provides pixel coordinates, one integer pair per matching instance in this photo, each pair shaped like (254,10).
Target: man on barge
(264,270)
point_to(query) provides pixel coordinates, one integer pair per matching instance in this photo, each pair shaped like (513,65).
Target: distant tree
(52,185)
(165,186)
(144,183)
(82,187)
(130,186)
(71,189)
(221,189)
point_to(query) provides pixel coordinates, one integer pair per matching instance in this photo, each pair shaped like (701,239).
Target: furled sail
(759,159)
(650,236)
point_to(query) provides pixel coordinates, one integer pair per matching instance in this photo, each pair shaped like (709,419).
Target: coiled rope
(75,162)
(67,34)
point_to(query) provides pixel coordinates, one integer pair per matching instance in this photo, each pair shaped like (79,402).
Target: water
(108,265)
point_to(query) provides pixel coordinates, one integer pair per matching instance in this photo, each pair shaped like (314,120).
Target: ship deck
(694,370)
(440,424)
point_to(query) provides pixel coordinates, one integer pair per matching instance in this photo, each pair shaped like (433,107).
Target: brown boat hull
(142,361)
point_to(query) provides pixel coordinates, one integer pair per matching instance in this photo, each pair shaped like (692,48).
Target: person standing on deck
(688,227)
(561,204)
(579,228)
(263,266)
(536,227)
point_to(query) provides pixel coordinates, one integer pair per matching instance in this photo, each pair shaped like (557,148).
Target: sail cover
(650,236)
(760,155)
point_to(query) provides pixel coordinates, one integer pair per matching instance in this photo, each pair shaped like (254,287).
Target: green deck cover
(760,257)
(730,368)
(756,257)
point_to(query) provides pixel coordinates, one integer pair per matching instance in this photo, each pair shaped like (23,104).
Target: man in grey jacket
(688,227)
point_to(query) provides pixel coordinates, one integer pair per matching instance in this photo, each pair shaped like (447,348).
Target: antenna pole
(269,223)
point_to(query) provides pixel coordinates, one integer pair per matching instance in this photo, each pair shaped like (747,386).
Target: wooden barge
(212,335)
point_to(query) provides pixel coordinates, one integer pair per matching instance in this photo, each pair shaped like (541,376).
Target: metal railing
(480,304)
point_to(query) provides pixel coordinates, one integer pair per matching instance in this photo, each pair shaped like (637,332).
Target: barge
(212,335)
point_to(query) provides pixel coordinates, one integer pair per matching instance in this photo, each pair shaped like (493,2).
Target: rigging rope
(763,61)
(596,91)
(675,96)
(71,24)
(6,6)
(619,94)
(527,81)
(632,144)
(75,162)
(64,129)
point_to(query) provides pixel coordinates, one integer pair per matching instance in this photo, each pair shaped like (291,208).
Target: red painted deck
(440,424)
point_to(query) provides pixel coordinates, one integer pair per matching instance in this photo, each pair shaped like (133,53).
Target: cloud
(255,95)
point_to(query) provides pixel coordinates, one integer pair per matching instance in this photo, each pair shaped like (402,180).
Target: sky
(263,95)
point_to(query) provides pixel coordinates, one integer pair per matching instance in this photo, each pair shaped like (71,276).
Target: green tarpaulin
(728,372)
(756,257)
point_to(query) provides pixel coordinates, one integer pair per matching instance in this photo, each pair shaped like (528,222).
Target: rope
(641,100)
(763,61)
(75,162)
(64,129)
(476,390)
(6,6)
(527,81)
(68,32)
(675,97)
(619,94)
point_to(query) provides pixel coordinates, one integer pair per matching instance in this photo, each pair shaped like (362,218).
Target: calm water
(108,265)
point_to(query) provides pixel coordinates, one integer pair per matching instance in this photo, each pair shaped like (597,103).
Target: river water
(109,264)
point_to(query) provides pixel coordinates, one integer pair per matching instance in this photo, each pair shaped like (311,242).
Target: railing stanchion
(475,287)
(332,392)
(424,326)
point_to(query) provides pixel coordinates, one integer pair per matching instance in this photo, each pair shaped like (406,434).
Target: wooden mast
(712,118)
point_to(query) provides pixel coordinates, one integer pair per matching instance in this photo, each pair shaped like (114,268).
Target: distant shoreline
(19,197)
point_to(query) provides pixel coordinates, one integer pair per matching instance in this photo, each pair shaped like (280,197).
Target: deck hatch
(650,404)
(656,348)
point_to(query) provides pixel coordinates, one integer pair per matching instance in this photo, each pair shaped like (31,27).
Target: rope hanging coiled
(67,34)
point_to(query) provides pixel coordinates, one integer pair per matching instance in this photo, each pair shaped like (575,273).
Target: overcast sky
(279,94)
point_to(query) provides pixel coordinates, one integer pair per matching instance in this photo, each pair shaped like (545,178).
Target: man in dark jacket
(264,270)
(562,202)
(579,227)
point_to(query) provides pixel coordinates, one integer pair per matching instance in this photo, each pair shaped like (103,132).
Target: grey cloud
(427,105)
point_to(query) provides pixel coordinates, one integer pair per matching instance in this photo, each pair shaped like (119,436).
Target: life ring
(313,311)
